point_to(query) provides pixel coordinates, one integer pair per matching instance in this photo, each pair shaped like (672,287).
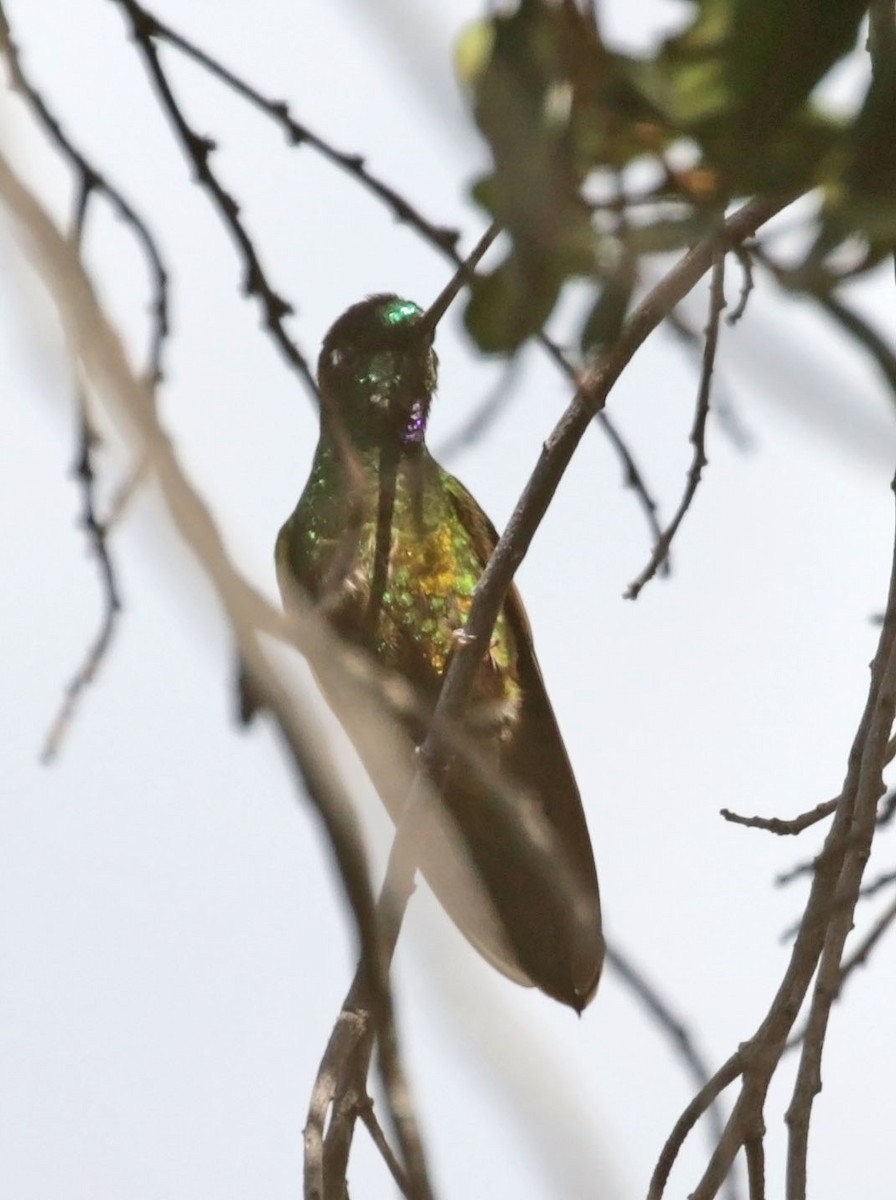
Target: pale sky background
(173,943)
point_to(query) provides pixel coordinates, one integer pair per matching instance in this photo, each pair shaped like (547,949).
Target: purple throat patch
(415,430)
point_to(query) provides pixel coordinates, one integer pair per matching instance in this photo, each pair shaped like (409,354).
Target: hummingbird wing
(557,934)
(483,867)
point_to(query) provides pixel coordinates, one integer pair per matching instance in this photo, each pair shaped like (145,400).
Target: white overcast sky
(173,943)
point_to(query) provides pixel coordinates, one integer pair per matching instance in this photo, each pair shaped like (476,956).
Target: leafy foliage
(600,158)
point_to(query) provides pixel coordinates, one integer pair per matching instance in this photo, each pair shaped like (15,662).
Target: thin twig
(199,149)
(880,351)
(859,956)
(697,1107)
(298,133)
(885,811)
(698,430)
(744,256)
(869,339)
(91,180)
(867,790)
(96,534)
(368,1116)
(878,884)
(783,827)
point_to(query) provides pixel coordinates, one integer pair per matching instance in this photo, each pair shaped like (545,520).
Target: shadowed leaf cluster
(600,158)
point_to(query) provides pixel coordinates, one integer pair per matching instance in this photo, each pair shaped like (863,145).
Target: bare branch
(699,1105)
(91,180)
(744,256)
(298,134)
(368,1116)
(755,1152)
(96,534)
(199,150)
(698,431)
(877,885)
(784,827)
(632,475)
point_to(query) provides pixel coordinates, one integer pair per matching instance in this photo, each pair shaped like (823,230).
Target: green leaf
(739,81)
(511,304)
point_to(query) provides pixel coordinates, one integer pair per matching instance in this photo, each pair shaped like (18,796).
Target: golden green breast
(434,566)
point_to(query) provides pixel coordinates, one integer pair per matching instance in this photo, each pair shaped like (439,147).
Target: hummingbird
(390,546)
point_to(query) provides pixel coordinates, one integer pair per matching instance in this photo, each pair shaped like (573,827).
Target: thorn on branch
(744,255)
(200,148)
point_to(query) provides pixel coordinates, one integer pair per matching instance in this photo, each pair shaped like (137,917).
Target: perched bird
(391,547)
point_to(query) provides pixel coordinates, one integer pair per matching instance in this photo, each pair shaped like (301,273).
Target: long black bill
(462,276)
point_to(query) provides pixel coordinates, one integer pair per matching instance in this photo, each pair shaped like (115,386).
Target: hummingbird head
(377,370)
